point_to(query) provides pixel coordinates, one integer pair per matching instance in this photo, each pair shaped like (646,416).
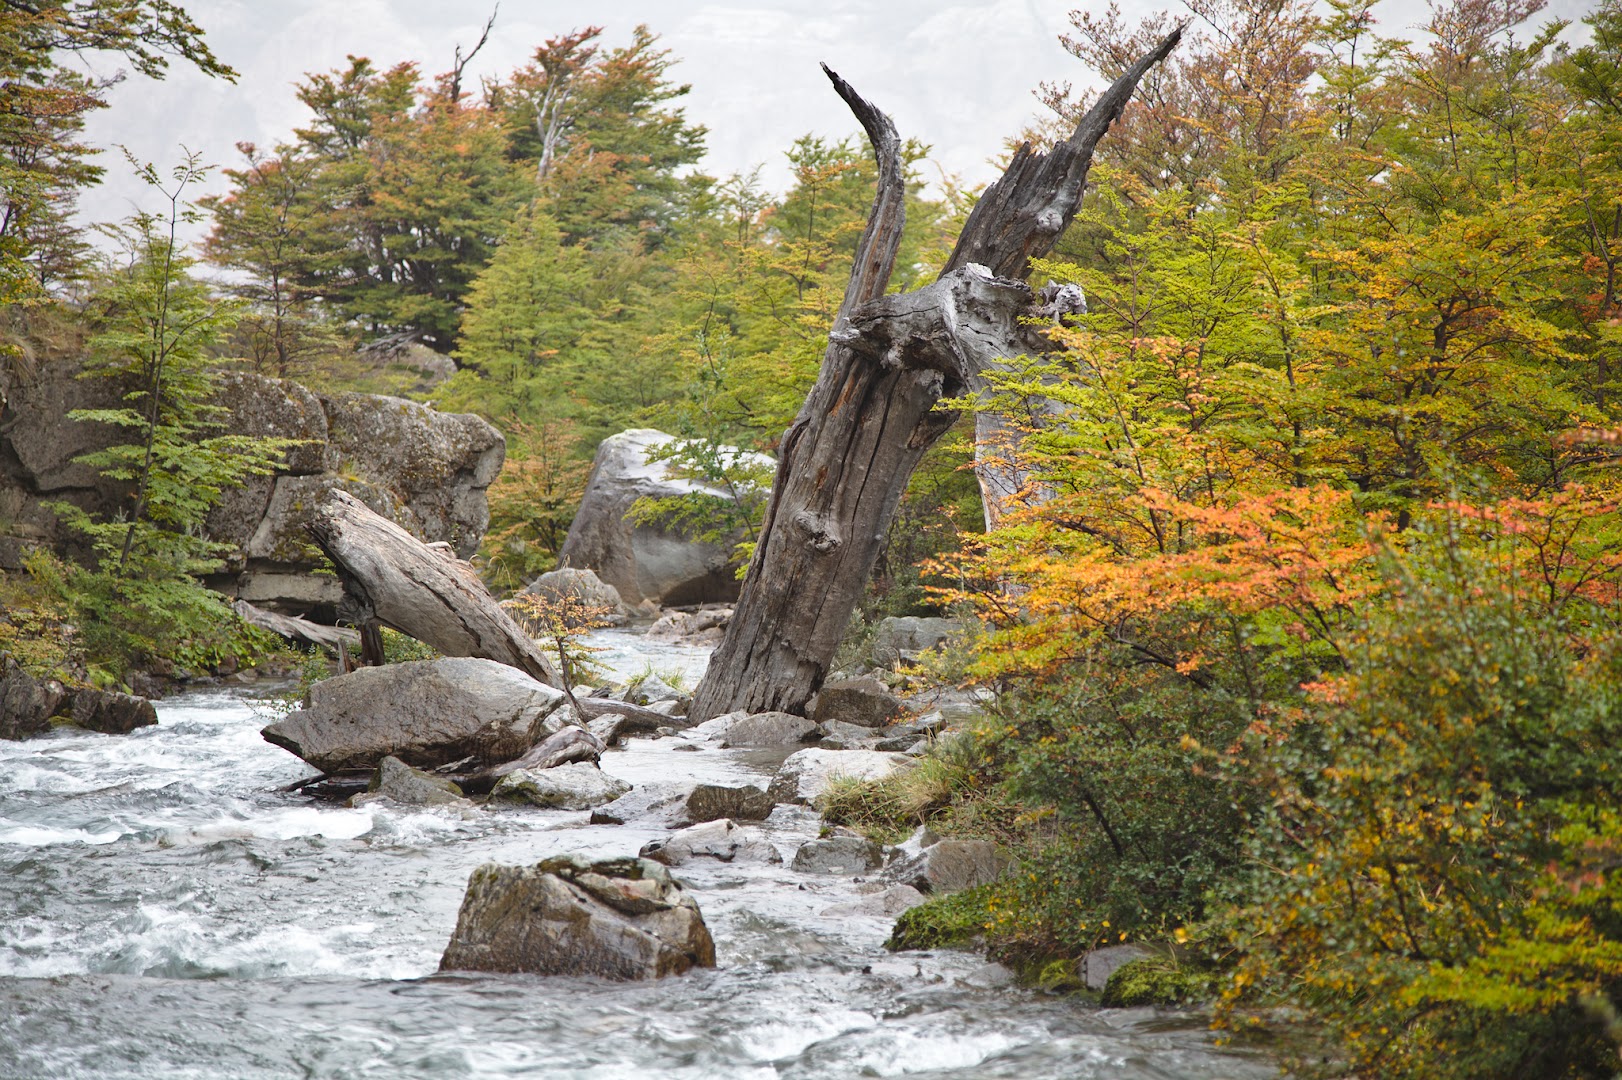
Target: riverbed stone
(885,902)
(677,805)
(722,840)
(578,786)
(398,782)
(26,703)
(758,729)
(586,588)
(806,774)
(949,866)
(864,701)
(427,713)
(622,919)
(838,855)
(112,713)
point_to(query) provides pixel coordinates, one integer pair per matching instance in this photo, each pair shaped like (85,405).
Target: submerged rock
(577,786)
(427,713)
(678,805)
(26,703)
(884,903)
(112,713)
(722,840)
(615,918)
(400,783)
(806,774)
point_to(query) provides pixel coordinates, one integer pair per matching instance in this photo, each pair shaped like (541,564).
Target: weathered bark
(392,578)
(845,461)
(335,639)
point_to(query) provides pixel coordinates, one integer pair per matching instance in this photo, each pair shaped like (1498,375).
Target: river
(166,912)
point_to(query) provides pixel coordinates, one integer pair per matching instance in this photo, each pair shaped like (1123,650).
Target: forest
(1304,626)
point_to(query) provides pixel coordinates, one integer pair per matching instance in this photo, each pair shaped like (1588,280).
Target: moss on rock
(954,921)
(1156,981)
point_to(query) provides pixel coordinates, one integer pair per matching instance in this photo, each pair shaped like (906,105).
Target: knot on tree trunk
(819,535)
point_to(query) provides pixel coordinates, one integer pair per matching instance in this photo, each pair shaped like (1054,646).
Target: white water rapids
(166,912)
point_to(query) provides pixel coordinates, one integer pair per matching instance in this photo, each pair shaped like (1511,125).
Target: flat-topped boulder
(678,804)
(623,919)
(427,713)
(758,729)
(576,786)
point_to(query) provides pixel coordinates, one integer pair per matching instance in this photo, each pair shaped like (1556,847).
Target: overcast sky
(958,75)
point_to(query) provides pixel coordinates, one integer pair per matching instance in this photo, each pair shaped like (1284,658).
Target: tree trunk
(393,579)
(845,461)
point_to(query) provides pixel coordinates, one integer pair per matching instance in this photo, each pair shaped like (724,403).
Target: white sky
(958,75)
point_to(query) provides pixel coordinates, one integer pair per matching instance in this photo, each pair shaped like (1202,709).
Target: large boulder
(427,713)
(838,855)
(26,703)
(648,562)
(427,471)
(112,713)
(806,774)
(576,786)
(614,918)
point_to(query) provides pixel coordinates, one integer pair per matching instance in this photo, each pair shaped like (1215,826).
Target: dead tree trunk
(845,461)
(393,579)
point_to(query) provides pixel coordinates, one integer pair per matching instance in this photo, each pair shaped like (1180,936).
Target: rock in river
(805,775)
(26,703)
(112,713)
(721,840)
(950,866)
(397,782)
(576,786)
(427,713)
(616,918)
(678,805)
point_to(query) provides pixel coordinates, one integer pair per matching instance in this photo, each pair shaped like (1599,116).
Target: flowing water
(166,912)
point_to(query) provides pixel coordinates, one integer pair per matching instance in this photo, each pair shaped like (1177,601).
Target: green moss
(955,921)
(1060,977)
(1156,981)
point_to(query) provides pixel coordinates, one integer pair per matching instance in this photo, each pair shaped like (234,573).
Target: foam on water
(170,912)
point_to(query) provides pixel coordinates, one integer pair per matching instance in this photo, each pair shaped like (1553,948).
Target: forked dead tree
(845,461)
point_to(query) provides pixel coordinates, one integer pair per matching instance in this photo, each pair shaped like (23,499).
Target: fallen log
(392,579)
(335,639)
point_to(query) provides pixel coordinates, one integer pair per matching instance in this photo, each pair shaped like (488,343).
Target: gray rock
(576,786)
(647,562)
(26,703)
(678,805)
(651,690)
(112,713)
(722,840)
(903,639)
(805,775)
(863,701)
(565,746)
(584,586)
(949,866)
(886,903)
(758,729)
(1098,965)
(838,855)
(400,783)
(427,713)
(619,919)
(706,626)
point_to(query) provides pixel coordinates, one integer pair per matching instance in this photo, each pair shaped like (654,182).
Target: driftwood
(392,579)
(845,461)
(335,639)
